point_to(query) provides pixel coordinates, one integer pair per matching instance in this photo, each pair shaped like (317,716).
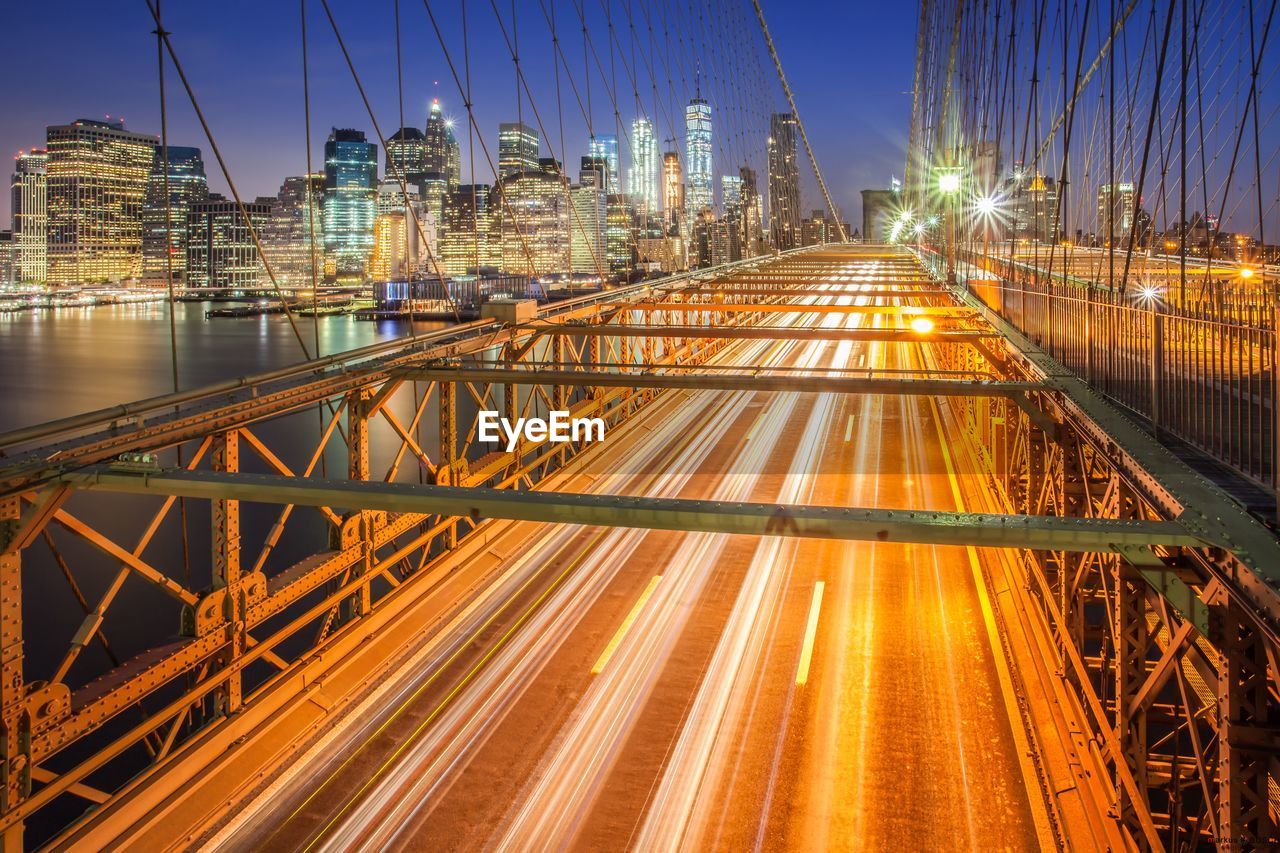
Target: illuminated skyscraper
(673,194)
(697,150)
(464,238)
(784,183)
(292,239)
(220,248)
(350,188)
(97,179)
(518,148)
(442,153)
(1115,214)
(407,150)
(606,145)
(30,195)
(619,232)
(164,227)
(642,182)
(731,190)
(532,216)
(587,229)
(6,258)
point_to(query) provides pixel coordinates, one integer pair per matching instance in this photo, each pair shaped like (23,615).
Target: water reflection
(62,362)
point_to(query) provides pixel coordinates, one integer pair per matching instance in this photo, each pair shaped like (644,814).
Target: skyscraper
(518,148)
(30,195)
(642,182)
(606,145)
(464,239)
(731,190)
(6,258)
(1115,214)
(532,216)
(752,216)
(784,183)
(220,248)
(97,178)
(407,150)
(350,187)
(164,227)
(673,194)
(442,153)
(587,229)
(293,237)
(697,150)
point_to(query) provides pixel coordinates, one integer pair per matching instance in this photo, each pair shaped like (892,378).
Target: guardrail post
(449,442)
(1157,366)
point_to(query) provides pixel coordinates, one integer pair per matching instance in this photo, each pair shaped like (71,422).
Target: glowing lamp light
(1245,272)
(985,205)
(919,228)
(922,325)
(949,182)
(1149,293)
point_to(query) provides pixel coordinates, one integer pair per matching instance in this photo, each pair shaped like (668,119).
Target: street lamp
(1246,273)
(949,180)
(922,325)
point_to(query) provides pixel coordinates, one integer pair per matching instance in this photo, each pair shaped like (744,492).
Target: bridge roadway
(607,688)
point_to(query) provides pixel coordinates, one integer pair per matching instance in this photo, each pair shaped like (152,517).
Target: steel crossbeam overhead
(763,333)
(752,519)
(820,290)
(782,308)
(709,381)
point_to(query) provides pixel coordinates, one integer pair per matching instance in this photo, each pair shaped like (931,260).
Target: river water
(55,363)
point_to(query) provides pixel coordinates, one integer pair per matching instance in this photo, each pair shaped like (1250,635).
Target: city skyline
(272,104)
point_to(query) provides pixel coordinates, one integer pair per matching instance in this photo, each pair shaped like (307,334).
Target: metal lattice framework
(1154,601)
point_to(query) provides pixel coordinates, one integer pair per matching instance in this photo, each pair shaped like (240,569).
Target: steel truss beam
(784,308)
(762,333)
(819,290)
(710,381)
(814,522)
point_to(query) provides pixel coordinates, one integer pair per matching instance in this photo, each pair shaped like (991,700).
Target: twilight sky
(851,73)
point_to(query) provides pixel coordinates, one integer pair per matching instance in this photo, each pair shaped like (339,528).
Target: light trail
(629,688)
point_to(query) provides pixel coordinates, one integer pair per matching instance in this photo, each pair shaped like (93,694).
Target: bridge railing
(1202,373)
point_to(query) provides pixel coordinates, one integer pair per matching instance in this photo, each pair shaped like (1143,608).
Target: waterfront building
(784,183)
(97,179)
(6,258)
(1033,207)
(293,237)
(29,193)
(350,189)
(642,182)
(605,146)
(518,149)
(697,151)
(164,226)
(220,249)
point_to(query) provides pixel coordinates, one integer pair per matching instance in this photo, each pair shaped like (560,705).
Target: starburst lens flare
(922,325)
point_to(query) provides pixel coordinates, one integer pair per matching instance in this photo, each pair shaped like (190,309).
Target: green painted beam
(712,381)
(750,519)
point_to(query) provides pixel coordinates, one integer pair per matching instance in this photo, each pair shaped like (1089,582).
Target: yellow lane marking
(848,430)
(625,626)
(810,634)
